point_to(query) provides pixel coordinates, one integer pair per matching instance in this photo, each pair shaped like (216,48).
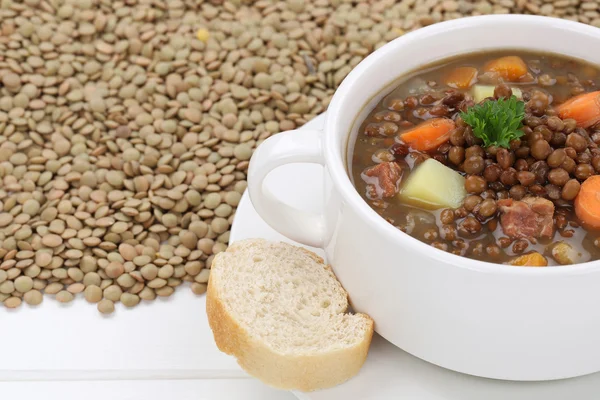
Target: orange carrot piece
(534,259)
(510,68)
(461,77)
(429,135)
(587,202)
(585,109)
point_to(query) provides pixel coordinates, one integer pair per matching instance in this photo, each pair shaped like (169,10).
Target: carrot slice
(585,109)
(587,202)
(510,68)
(429,135)
(534,259)
(461,77)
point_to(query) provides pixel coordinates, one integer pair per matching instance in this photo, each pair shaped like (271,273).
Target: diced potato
(534,259)
(480,92)
(565,254)
(433,185)
(517,93)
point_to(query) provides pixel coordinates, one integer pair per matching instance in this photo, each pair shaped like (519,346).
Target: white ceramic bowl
(470,316)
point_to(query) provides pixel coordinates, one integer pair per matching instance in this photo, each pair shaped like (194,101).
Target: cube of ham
(527,218)
(383,180)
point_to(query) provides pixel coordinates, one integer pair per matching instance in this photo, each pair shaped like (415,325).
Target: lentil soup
(492,156)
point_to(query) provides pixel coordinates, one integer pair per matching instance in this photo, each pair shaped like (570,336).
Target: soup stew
(489,156)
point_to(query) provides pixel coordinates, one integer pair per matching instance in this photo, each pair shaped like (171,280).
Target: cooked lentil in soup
(490,156)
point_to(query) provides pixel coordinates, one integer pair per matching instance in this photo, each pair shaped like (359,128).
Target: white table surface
(161,350)
(163,389)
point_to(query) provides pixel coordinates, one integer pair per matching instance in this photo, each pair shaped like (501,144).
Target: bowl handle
(297,146)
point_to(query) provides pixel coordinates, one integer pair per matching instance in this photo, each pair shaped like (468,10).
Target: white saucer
(390,373)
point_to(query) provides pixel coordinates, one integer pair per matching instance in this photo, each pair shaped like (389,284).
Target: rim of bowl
(341,180)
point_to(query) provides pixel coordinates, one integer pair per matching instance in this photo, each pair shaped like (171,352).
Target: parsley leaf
(496,122)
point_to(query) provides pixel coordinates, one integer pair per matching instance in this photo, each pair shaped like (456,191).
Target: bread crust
(305,372)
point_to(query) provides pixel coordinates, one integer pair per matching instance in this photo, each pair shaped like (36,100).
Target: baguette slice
(282,313)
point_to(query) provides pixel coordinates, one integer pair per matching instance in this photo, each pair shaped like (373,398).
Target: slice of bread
(282,313)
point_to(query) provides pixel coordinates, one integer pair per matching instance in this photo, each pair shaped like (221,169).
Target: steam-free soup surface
(489,156)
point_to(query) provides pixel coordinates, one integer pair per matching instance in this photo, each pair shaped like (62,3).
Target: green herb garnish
(496,122)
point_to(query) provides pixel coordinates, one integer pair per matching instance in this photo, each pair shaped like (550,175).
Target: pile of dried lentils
(126,126)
